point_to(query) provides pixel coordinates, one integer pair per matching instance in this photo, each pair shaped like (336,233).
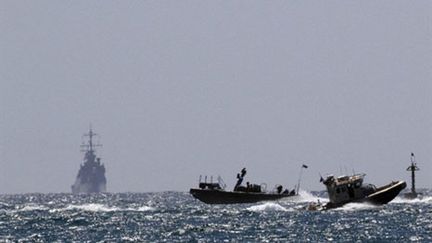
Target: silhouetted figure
(279,189)
(240,177)
(239,181)
(243,172)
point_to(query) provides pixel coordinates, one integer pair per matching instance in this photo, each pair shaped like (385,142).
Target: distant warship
(91,175)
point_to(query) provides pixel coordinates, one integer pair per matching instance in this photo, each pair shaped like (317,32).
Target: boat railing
(219,185)
(221,182)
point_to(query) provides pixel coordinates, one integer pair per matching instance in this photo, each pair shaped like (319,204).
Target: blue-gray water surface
(177,217)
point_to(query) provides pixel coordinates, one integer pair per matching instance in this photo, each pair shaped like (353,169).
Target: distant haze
(182,88)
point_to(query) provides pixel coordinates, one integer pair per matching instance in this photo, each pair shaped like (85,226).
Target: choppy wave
(268,206)
(92,207)
(95,207)
(357,206)
(145,208)
(420,199)
(178,217)
(32,208)
(25,208)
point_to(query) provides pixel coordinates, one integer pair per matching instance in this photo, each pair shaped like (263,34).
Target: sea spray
(357,206)
(306,196)
(419,199)
(268,206)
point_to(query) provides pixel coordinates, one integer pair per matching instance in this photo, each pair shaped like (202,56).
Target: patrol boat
(91,175)
(347,189)
(214,192)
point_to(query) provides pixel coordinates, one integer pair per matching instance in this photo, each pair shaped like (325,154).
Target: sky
(178,89)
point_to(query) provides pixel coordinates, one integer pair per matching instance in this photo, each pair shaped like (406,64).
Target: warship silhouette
(413,168)
(91,175)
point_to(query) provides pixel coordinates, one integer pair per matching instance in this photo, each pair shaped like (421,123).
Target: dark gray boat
(91,175)
(214,193)
(347,189)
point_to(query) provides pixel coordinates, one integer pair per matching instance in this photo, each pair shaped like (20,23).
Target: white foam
(92,207)
(356,207)
(144,208)
(95,207)
(269,206)
(308,197)
(420,199)
(29,207)
(33,208)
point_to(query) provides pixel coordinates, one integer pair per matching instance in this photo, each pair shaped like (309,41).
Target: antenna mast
(413,168)
(90,146)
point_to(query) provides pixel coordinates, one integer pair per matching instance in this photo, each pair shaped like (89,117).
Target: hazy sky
(182,88)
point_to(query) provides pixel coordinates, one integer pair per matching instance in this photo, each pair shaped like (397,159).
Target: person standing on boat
(239,181)
(240,178)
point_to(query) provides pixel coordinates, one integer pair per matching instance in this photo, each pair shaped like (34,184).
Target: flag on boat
(304,166)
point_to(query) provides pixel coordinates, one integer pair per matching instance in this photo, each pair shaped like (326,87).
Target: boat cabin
(345,189)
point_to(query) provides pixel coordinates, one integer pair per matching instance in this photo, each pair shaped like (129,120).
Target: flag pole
(300,175)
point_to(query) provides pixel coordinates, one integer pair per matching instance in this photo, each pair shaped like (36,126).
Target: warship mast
(90,147)
(413,168)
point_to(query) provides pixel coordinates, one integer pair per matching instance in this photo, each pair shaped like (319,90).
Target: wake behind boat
(347,189)
(214,193)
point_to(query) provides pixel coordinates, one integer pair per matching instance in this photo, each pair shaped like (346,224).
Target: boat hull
(226,197)
(386,193)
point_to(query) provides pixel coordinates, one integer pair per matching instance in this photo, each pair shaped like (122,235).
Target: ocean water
(177,217)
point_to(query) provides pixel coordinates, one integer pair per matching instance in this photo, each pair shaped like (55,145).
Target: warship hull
(229,197)
(79,188)
(382,195)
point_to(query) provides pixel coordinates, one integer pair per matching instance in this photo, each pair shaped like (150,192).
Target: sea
(178,217)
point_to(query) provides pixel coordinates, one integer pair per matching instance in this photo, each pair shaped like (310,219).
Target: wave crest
(420,199)
(269,206)
(357,207)
(95,207)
